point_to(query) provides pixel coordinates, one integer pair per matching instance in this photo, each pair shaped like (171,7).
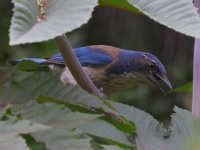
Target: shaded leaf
(5,74)
(27,65)
(179,15)
(60,17)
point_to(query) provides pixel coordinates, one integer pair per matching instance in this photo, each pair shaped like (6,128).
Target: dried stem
(74,66)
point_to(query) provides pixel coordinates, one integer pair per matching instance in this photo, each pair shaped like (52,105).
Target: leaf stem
(74,66)
(196,73)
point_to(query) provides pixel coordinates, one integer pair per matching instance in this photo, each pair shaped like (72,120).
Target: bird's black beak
(156,77)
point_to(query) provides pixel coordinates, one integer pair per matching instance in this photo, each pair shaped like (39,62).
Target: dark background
(127,30)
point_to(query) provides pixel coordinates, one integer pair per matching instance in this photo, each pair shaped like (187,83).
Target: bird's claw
(101,91)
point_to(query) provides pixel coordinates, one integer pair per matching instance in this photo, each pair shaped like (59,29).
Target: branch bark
(196,73)
(74,66)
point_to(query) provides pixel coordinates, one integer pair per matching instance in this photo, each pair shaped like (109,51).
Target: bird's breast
(110,83)
(113,82)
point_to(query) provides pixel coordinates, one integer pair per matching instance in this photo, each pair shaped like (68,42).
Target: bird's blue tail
(36,60)
(43,66)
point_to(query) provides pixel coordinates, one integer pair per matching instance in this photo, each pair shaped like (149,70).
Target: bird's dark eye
(152,66)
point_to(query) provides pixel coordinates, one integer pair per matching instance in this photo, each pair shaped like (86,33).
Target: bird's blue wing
(88,56)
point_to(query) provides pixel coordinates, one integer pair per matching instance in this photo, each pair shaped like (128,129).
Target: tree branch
(74,66)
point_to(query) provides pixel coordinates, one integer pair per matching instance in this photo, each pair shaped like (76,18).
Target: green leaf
(32,143)
(61,138)
(49,84)
(11,127)
(74,106)
(122,4)
(120,122)
(109,133)
(185,131)
(62,120)
(5,74)
(185,88)
(183,134)
(54,115)
(149,131)
(110,147)
(179,15)
(123,124)
(27,65)
(60,17)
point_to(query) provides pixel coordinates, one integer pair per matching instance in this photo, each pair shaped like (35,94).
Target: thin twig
(74,66)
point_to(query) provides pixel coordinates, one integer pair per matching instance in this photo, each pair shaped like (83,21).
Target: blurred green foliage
(127,30)
(184,88)
(122,4)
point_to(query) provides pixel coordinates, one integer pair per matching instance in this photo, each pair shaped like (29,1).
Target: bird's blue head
(150,67)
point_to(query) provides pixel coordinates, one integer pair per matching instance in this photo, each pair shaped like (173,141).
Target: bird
(110,68)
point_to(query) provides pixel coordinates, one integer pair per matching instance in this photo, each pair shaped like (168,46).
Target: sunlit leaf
(180,15)
(60,17)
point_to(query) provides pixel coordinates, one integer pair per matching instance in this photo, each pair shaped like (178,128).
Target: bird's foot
(101,91)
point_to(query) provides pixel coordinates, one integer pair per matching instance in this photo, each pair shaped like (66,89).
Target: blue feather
(88,56)
(126,60)
(37,60)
